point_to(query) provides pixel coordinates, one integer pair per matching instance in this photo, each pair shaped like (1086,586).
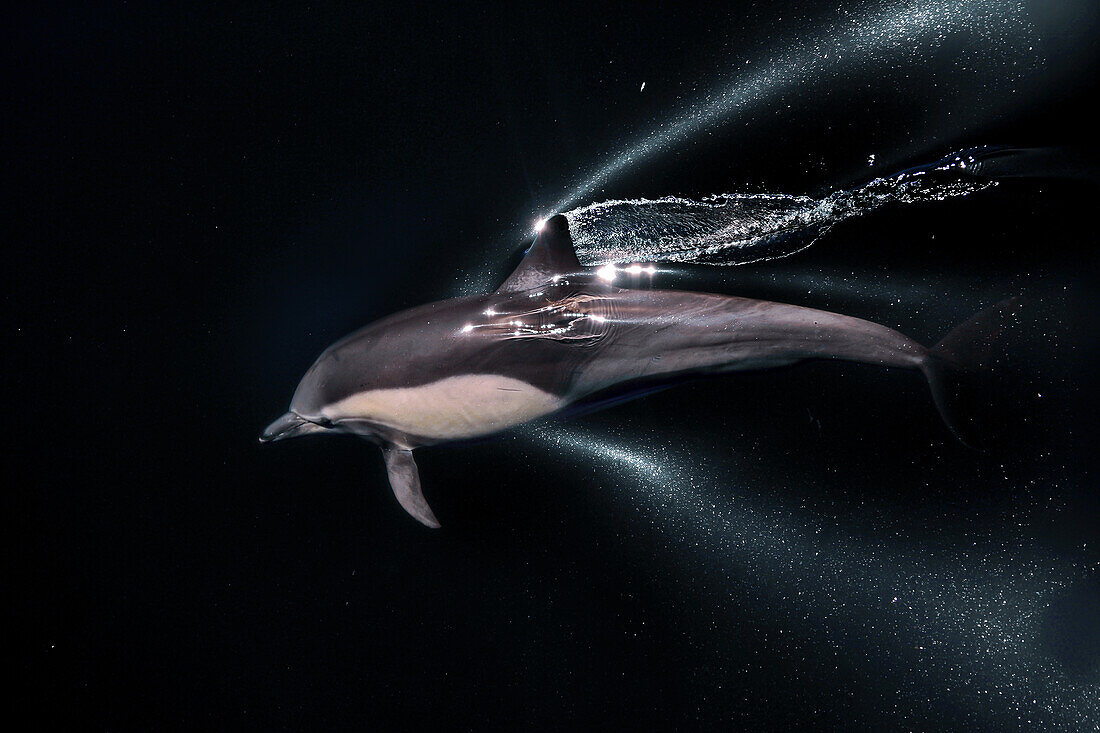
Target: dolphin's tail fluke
(954,367)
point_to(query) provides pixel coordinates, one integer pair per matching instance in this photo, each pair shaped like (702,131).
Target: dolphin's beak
(290,425)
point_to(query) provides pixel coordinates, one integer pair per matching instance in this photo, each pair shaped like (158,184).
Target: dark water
(205,199)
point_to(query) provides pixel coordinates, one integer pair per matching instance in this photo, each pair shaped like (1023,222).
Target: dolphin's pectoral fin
(405,482)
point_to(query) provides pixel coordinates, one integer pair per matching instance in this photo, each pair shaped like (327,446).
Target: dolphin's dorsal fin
(405,482)
(551,254)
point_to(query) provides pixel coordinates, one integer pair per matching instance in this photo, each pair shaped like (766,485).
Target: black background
(203,199)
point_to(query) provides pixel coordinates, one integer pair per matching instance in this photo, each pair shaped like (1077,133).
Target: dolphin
(556,334)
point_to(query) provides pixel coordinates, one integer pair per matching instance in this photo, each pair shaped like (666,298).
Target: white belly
(450,409)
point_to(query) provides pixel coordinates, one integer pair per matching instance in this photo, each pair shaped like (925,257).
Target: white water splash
(736,229)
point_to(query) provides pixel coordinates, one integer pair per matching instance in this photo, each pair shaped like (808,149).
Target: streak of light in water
(960,618)
(996,35)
